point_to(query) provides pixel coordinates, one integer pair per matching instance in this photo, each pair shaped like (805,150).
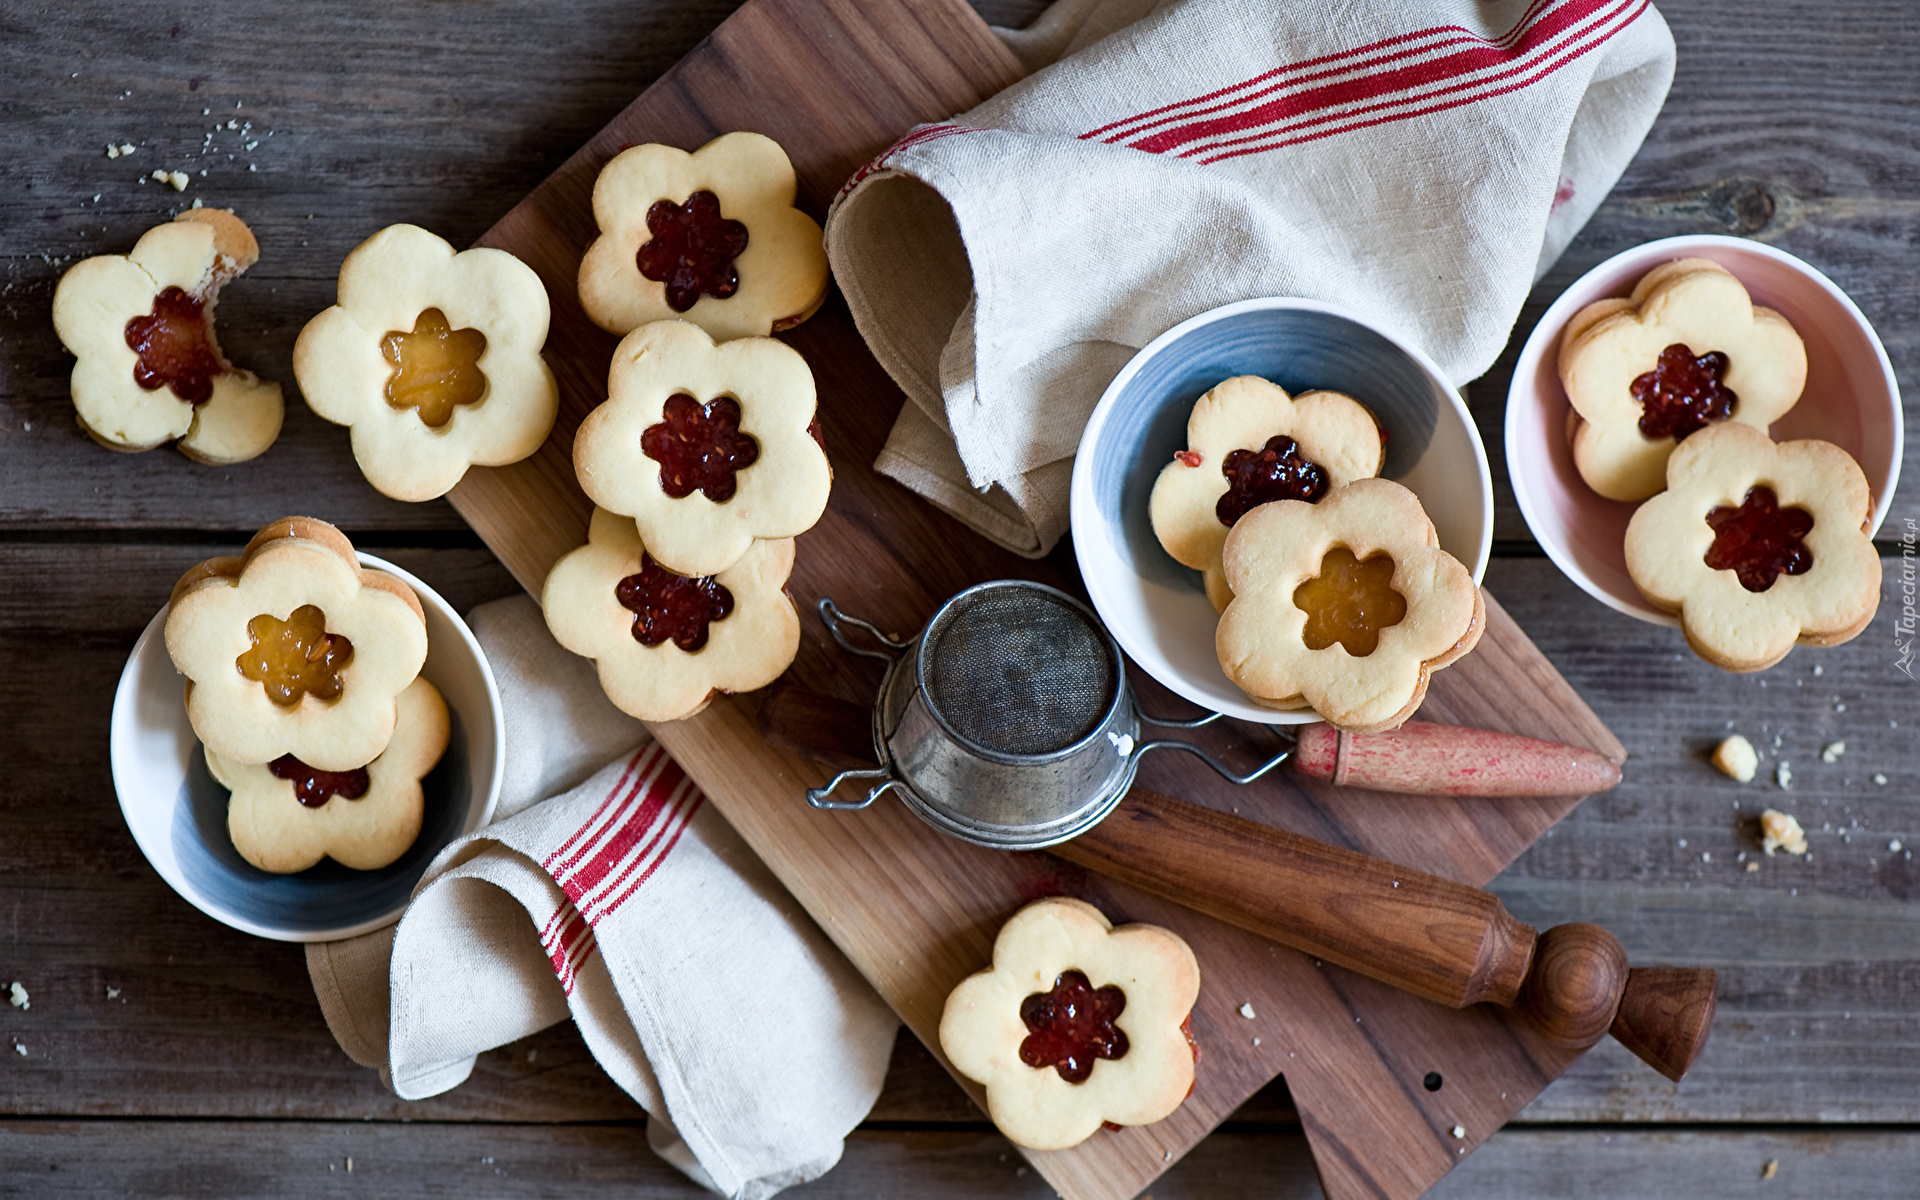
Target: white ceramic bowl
(178,814)
(1851,399)
(1155,607)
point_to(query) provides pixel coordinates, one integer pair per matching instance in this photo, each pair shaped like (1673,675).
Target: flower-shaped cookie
(665,643)
(1345,606)
(1689,348)
(711,237)
(433,359)
(292,648)
(1249,443)
(707,447)
(1075,1023)
(1757,546)
(149,369)
(285,816)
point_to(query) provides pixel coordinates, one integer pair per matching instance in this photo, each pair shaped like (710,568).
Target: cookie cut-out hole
(314,787)
(174,347)
(692,249)
(1432,1081)
(668,605)
(1759,541)
(435,367)
(1683,393)
(700,448)
(1072,1026)
(1350,601)
(296,657)
(1276,471)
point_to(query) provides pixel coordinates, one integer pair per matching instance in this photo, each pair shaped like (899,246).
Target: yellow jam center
(435,367)
(1350,602)
(295,657)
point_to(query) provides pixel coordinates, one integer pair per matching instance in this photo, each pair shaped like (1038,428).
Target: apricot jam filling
(1072,1025)
(699,447)
(692,249)
(1276,471)
(1683,393)
(1759,541)
(666,605)
(436,368)
(296,657)
(174,347)
(314,787)
(1350,601)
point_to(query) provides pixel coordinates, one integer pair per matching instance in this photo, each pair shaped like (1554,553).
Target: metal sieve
(1008,721)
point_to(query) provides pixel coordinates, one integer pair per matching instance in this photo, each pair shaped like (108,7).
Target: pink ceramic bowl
(1851,400)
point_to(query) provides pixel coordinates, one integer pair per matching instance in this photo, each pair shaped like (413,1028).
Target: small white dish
(1851,399)
(178,813)
(1156,608)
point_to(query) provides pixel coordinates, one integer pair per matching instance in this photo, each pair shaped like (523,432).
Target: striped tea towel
(628,903)
(1418,161)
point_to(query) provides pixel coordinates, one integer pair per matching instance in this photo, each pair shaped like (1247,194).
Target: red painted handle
(1424,759)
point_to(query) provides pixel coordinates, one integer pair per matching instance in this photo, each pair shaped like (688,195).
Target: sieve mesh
(1018,671)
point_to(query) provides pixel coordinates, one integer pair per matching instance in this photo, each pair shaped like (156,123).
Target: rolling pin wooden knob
(1422,758)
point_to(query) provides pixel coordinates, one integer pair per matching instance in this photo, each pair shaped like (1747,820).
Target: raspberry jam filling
(1276,471)
(1072,1025)
(1350,601)
(314,787)
(174,347)
(1760,541)
(692,249)
(1683,393)
(666,605)
(699,447)
(435,367)
(296,657)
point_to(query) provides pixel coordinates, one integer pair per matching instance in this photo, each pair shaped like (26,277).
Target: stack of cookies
(304,688)
(1755,545)
(1333,591)
(705,461)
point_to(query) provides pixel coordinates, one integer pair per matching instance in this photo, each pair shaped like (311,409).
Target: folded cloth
(628,903)
(1420,162)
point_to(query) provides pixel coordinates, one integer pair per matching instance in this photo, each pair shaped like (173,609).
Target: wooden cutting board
(1380,1079)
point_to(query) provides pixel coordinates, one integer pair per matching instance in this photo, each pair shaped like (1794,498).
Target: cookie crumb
(20,1048)
(1880,779)
(1894,845)
(1736,758)
(1771,1169)
(1246,1010)
(17,993)
(1781,832)
(1832,751)
(1459,1131)
(113,993)
(113,151)
(1783,776)
(1752,867)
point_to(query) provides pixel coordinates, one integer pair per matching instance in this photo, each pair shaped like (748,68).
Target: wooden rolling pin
(1424,934)
(1425,759)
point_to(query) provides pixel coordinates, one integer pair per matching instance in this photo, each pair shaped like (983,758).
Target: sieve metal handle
(1170,723)
(1225,771)
(818,796)
(831,615)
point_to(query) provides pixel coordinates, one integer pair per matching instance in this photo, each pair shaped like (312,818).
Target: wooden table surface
(164,1054)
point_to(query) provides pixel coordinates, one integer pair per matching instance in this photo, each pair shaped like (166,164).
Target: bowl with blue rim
(177,812)
(1157,609)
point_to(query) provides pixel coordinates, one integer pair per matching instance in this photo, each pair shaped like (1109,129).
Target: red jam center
(1683,393)
(1276,471)
(314,787)
(1760,541)
(699,448)
(666,605)
(692,250)
(295,657)
(1072,1025)
(175,348)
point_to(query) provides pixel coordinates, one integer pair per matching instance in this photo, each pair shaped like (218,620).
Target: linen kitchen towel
(1420,162)
(626,902)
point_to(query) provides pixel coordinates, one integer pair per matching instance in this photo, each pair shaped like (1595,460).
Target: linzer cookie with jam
(150,370)
(1757,546)
(432,358)
(1076,1023)
(285,816)
(1687,350)
(710,237)
(1346,607)
(1249,443)
(293,648)
(707,447)
(665,643)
